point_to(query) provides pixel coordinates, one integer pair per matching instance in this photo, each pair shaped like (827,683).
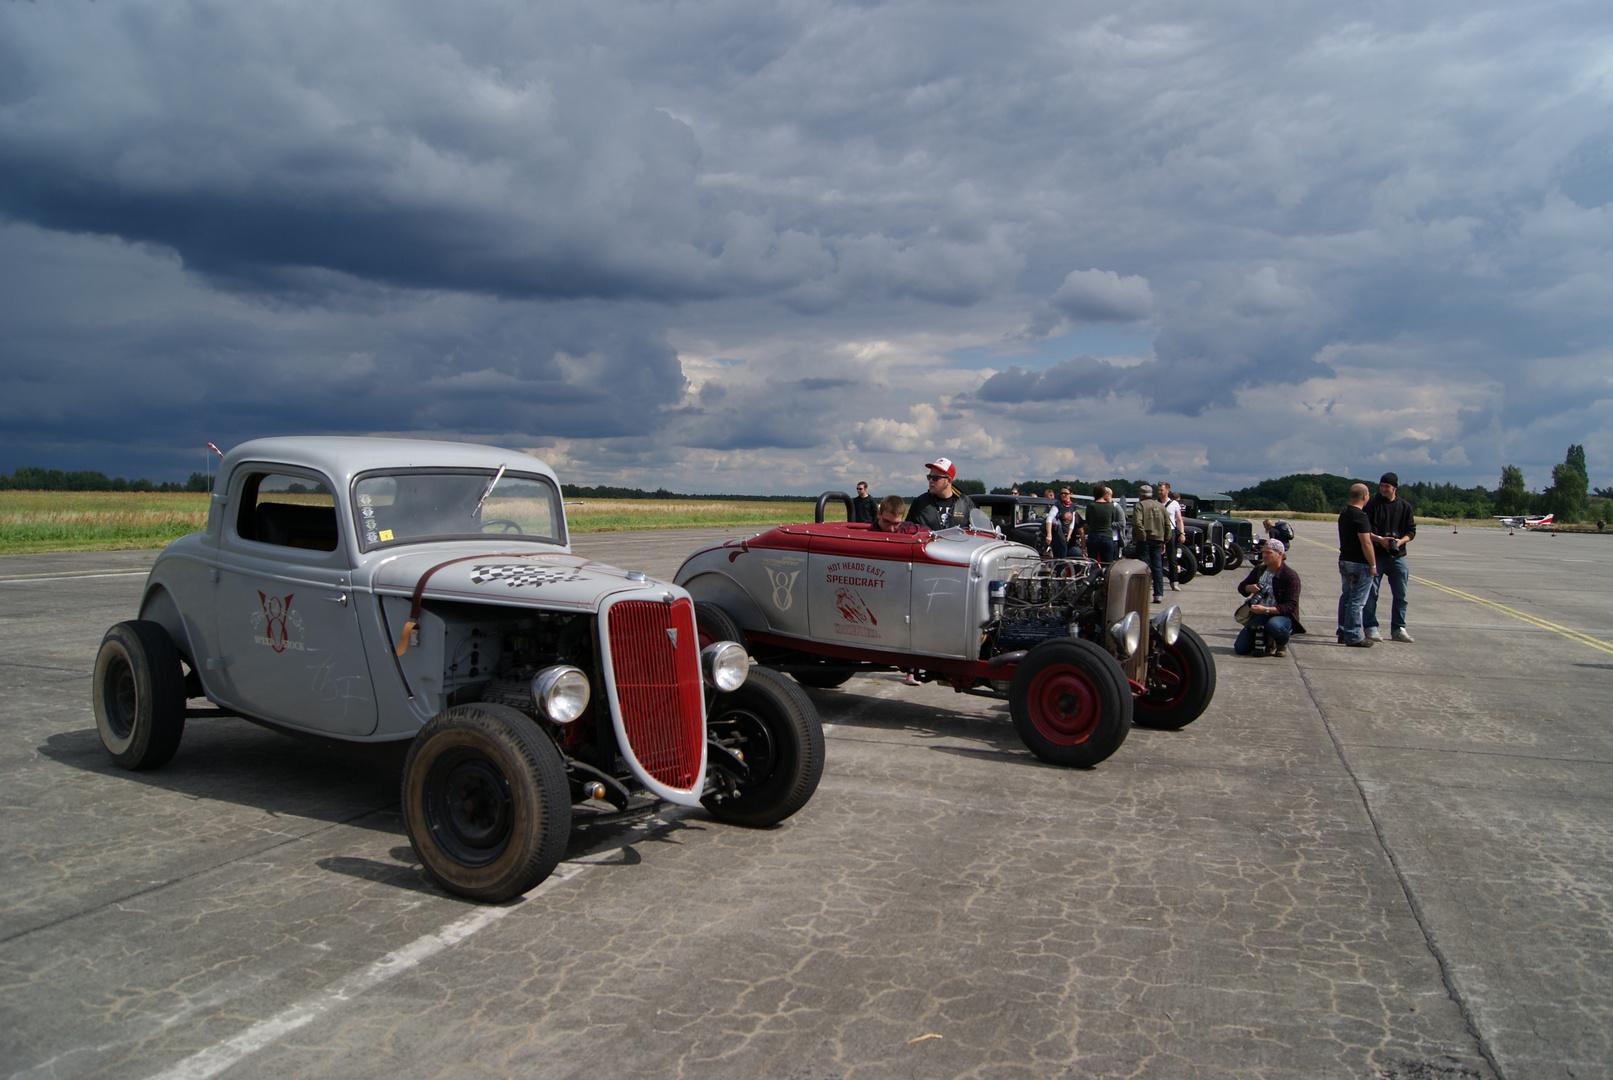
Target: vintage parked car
(370,590)
(1071,644)
(1021,518)
(1239,532)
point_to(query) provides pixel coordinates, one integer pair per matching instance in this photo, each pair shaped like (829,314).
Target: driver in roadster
(942,506)
(889,518)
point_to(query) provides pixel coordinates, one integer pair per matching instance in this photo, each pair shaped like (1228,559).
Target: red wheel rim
(1064,705)
(1159,700)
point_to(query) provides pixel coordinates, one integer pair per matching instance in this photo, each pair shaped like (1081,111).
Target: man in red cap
(942,506)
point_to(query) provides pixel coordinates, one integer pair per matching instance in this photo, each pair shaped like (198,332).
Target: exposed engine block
(1044,601)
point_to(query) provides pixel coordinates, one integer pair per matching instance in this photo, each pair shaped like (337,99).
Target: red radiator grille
(658,685)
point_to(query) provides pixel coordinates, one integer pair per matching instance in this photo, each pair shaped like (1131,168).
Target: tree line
(29,478)
(1569,495)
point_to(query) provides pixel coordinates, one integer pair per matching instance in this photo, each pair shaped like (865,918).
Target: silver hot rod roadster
(1070,643)
(372,590)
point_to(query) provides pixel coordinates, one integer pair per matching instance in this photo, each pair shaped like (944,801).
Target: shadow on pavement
(233,761)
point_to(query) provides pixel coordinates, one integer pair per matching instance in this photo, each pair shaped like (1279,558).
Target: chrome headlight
(1168,624)
(725,665)
(1127,634)
(561,693)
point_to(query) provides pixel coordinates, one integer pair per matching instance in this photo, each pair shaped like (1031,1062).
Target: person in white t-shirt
(1175,531)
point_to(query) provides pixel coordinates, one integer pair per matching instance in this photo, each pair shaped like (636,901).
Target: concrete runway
(1395,862)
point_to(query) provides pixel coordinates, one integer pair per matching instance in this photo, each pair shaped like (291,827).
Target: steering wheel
(506,525)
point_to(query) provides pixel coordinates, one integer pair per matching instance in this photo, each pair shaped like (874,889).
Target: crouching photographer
(1273,591)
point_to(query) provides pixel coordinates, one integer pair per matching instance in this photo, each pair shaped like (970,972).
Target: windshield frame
(481,476)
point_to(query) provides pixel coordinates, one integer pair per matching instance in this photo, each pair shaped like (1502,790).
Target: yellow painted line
(1571,635)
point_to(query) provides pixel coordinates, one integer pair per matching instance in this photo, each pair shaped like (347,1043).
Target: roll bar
(817,514)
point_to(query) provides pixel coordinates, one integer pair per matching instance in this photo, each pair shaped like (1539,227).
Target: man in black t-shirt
(941,507)
(1357,565)
(863,507)
(1393,527)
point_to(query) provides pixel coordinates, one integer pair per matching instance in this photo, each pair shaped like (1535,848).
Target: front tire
(1187,565)
(713,624)
(1234,555)
(139,694)
(774,725)
(1213,561)
(486,802)
(1070,702)
(1174,706)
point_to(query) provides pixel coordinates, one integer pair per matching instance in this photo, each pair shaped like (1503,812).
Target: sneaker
(1364,643)
(1281,652)
(1374,633)
(1401,635)
(1160,599)
(1175,587)
(910,680)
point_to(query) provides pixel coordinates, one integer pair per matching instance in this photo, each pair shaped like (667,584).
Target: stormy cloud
(768,246)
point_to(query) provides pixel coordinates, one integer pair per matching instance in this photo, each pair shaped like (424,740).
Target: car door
(859,590)
(287,626)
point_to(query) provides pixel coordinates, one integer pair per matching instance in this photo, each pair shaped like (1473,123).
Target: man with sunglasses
(942,506)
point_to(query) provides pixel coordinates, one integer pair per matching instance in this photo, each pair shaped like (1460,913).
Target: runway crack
(1446,967)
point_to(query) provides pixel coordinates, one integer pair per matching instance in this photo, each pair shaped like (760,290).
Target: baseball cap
(945,465)
(1389,478)
(1278,546)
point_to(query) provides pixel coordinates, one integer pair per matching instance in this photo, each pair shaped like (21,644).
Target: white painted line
(208,1063)
(26,579)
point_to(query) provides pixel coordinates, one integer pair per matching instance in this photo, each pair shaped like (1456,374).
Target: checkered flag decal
(519,576)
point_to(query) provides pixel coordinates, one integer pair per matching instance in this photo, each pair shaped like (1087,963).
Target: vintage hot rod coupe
(372,590)
(1070,643)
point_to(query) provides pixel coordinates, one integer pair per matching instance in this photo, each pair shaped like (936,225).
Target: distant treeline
(1568,496)
(28,478)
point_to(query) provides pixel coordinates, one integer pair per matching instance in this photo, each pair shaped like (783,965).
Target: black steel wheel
(1234,555)
(1186,685)
(139,693)
(1070,702)
(773,725)
(1187,565)
(486,802)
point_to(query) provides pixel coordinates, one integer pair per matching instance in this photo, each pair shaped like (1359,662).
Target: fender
(722,590)
(159,607)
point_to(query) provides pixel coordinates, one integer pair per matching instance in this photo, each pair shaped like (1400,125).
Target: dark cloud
(1078,377)
(1388,225)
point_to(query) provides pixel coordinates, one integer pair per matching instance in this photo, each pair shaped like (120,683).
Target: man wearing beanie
(1392,529)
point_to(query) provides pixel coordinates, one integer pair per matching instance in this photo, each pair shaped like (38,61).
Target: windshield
(410,506)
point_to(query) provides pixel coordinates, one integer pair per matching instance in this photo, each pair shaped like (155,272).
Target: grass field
(34,521)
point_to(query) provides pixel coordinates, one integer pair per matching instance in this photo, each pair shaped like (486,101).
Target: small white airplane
(1527,521)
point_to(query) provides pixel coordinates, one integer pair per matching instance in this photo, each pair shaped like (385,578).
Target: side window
(287,510)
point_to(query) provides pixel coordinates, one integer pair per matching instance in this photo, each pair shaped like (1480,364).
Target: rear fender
(159,607)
